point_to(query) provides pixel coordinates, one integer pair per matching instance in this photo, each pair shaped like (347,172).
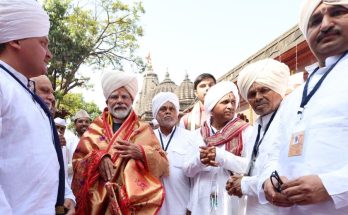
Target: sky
(198,36)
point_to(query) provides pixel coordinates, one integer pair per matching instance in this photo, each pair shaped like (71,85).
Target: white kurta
(28,161)
(249,183)
(71,143)
(204,177)
(177,184)
(325,147)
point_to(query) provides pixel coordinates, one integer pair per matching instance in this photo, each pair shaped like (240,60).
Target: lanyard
(170,139)
(258,143)
(307,97)
(61,186)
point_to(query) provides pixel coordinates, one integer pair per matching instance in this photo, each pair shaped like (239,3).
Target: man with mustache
(263,85)
(312,164)
(222,140)
(178,143)
(118,161)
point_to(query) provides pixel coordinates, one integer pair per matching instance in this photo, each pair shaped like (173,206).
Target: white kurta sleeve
(5,207)
(68,194)
(336,184)
(249,185)
(194,165)
(230,161)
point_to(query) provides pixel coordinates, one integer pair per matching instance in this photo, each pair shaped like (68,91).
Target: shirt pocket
(178,158)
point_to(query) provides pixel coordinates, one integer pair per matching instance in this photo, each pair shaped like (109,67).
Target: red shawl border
(233,129)
(92,173)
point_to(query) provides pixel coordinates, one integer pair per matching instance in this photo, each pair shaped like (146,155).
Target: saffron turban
(60,121)
(268,72)
(216,92)
(161,98)
(81,114)
(21,19)
(309,6)
(112,81)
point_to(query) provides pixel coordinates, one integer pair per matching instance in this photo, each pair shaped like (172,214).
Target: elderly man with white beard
(178,143)
(118,161)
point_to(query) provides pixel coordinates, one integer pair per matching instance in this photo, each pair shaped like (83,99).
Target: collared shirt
(28,161)
(325,146)
(249,183)
(177,184)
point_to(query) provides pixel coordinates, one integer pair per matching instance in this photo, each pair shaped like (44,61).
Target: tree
(72,102)
(105,35)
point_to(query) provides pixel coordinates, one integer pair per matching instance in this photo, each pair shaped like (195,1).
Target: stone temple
(151,86)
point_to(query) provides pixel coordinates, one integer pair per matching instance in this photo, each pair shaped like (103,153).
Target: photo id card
(296,144)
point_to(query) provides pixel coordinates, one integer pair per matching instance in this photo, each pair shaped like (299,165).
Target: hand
(233,185)
(106,168)
(275,198)
(70,205)
(305,190)
(128,150)
(207,155)
(62,140)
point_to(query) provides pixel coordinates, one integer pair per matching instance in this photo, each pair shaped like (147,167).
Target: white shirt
(249,183)
(71,143)
(325,147)
(205,176)
(177,184)
(29,165)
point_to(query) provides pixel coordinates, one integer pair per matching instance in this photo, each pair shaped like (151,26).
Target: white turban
(162,98)
(268,72)
(112,81)
(309,6)
(21,19)
(81,114)
(60,121)
(216,92)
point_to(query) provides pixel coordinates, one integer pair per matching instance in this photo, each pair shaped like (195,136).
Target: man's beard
(120,113)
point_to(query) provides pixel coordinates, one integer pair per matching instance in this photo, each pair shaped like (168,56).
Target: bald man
(44,89)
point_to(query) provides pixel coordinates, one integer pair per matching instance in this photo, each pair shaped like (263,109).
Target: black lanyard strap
(170,139)
(61,186)
(258,143)
(307,97)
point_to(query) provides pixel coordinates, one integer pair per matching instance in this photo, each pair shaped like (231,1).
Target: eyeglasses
(276,181)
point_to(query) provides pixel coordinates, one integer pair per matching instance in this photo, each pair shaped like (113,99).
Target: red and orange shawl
(230,136)
(136,188)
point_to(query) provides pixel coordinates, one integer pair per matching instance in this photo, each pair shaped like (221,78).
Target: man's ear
(195,91)
(16,44)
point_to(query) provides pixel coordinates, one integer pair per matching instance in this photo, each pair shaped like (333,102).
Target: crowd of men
(293,160)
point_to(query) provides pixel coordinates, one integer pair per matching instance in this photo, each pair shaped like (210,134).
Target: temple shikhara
(289,48)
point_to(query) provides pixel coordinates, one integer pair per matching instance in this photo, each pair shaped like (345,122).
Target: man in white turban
(178,144)
(222,144)
(263,85)
(28,136)
(121,156)
(312,132)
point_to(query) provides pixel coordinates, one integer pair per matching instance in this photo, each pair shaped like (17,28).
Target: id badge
(297,139)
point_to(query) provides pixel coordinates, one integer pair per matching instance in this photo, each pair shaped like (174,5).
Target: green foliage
(99,34)
(72,102)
